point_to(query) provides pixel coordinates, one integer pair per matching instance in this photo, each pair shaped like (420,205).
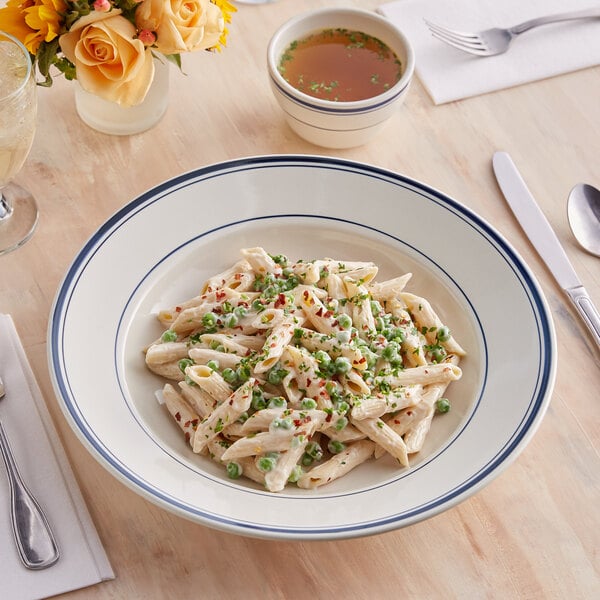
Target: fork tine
(478,51)
(460,35)
(475,45)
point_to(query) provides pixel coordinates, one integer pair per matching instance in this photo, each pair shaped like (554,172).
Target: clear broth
(340,65)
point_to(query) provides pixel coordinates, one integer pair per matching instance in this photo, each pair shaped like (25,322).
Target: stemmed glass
(18,109)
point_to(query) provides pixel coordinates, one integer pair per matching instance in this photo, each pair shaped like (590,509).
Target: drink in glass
(18,109)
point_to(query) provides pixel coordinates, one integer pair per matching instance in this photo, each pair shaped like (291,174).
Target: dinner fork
(490,42)
(35,540)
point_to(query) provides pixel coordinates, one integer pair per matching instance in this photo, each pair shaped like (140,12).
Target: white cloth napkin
(45,469)
(449,74)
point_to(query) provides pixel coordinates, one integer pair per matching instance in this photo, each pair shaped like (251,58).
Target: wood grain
(534,532)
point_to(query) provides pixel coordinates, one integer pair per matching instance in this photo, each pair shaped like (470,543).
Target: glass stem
(5,207)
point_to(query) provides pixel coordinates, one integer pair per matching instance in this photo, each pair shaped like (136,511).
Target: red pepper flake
(220,295)
(305,294)
(319,313)
(187,436)
(178,309)
(280,300)
(328,418)
(298,422)
(187,423)
(328,314)
(178,416)
(397,422)
(238,276)
(308,381)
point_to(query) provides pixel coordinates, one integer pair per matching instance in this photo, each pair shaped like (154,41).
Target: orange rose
(181,25)
(109,60)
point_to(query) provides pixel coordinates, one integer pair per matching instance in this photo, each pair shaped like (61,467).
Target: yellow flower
(227,9)
(33,21)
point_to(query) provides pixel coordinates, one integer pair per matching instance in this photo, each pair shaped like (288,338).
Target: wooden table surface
(534,532)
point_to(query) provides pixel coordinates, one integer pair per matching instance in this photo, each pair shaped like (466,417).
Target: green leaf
(175,59)
(45,57)
(67,68)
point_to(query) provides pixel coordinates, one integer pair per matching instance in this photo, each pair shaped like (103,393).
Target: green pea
(335,446)
(344,321)
(376,308)
(341,423)
(342,365)
(184,363)
(438,354)
(342,407)
(234,470)
(331,387)
(314,450)
(229,375)
(308,404)
(442,405)
(240,312)
(168,336)
(209,319)
(243,372)
(230,320)
(266,463)
(322,357)
(276,376)
(285,423)
(257,305)
(296,473)
(307,460)
(443,334)
(258,400)
(390,352)
(277,402)
(213,364)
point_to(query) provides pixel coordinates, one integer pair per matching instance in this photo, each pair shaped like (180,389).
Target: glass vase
(114,119)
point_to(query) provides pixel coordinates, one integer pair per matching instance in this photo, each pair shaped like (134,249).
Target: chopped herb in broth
(340,65)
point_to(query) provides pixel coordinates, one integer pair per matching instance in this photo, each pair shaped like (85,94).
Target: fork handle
(35,541)
(588,13)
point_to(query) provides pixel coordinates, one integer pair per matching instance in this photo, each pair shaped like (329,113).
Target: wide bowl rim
(330,106)
(532,416)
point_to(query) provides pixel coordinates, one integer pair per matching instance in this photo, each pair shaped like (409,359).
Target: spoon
(583,212)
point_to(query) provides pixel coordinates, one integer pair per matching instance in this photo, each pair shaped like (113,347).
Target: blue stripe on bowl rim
(337,110)
(536,406)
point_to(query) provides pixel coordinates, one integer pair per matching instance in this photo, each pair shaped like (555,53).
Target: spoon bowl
(583,212)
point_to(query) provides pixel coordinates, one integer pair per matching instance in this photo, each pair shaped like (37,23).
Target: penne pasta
(338,465)
(296,372)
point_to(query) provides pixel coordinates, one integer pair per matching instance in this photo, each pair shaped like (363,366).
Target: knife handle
(586,309)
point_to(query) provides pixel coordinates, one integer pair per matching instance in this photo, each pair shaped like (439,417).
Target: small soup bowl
(339,124)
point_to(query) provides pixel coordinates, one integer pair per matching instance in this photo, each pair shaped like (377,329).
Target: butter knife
(543,238)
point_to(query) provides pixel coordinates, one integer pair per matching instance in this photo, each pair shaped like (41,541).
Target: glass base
(18,217)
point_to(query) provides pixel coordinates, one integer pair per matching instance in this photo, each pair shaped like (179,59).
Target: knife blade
(542,236)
